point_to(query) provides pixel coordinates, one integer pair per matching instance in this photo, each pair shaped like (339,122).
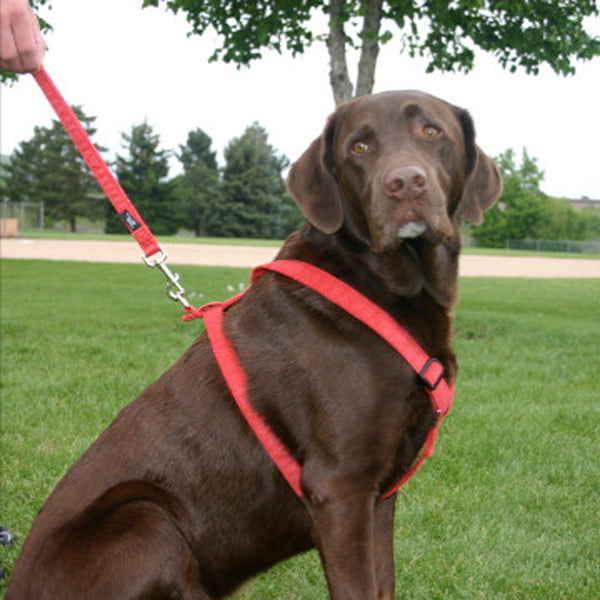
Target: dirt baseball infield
(250,256)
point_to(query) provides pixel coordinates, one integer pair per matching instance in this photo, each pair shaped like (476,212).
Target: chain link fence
(28,215)
(576,247)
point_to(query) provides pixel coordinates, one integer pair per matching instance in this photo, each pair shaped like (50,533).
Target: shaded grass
(507,508)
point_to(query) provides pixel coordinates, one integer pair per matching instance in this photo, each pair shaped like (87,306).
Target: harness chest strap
(354,303)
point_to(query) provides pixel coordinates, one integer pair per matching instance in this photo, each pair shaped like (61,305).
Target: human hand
(21,44)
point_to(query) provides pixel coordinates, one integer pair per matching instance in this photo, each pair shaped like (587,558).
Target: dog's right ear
(312,184)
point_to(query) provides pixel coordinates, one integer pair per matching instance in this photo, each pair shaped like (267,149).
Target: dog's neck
(415,268)
(416,283)
(437,264)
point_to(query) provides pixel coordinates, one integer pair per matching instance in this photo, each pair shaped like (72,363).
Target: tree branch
(336,44)
(370,46)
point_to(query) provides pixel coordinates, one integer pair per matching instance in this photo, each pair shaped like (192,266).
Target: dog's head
(393,166)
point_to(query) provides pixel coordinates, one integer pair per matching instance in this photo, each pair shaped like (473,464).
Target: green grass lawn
(506,509)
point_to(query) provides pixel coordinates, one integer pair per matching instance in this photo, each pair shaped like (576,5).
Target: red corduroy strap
(111,187)
(236,379)
(354,303)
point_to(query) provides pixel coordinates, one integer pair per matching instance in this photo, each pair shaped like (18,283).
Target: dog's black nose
(406,183)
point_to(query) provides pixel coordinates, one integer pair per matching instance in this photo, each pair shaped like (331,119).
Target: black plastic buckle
(423,374)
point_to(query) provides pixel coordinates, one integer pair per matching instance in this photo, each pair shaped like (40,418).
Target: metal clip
(175,291)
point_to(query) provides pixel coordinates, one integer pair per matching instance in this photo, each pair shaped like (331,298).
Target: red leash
(154,255)
(429,370)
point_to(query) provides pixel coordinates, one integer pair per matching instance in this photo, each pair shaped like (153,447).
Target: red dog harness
(429,370)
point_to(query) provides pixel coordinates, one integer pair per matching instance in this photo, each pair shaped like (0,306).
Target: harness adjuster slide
(432,379)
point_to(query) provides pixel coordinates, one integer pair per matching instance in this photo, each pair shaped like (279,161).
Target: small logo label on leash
(129,220)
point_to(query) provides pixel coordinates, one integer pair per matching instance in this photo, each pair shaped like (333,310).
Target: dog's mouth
(402,223)
(412,230)
(412,226)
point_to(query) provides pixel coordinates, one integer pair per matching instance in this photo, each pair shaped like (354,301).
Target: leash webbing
(154,255)
(111,187)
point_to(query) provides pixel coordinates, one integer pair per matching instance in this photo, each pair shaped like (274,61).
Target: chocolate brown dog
(177,499)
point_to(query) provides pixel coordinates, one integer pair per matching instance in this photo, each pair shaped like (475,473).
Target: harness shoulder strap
(357,305)
(430,370)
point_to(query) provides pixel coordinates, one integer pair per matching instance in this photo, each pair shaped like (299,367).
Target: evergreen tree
(199,187)
(142,174)
(49,168)
(255,202)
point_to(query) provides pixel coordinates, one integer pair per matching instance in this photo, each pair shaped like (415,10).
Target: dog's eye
(360,147)
(431,132)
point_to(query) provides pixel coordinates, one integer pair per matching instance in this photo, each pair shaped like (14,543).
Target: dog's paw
(6,537)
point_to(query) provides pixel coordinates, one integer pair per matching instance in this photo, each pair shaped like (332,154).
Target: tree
(255,203)
(48,168)
(524,211)
(520,33)
(142,174)
(199,186)
(592,216)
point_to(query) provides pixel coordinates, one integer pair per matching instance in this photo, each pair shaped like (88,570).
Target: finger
(27,48)
(11,60)
(26,37)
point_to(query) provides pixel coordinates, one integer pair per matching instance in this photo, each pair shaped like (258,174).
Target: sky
(124,65)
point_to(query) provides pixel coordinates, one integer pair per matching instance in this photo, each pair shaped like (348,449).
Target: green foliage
(592,216)
(142,174)
(525,212)
(255,203)
(48,168)
(199,187)
(521,33)
(504,509)
(197,150)
(248,27)
(248,199)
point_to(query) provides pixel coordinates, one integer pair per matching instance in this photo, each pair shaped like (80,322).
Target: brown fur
(176,499)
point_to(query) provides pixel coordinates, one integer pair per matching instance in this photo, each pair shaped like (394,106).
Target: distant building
(584,202)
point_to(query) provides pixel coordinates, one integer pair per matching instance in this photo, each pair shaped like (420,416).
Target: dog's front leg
(342,517)
(384,548)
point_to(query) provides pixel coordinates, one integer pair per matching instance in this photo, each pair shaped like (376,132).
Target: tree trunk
(336,44)
(370,47)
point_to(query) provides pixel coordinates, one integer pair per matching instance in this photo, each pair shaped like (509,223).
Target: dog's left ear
(483,185)
(313,186)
